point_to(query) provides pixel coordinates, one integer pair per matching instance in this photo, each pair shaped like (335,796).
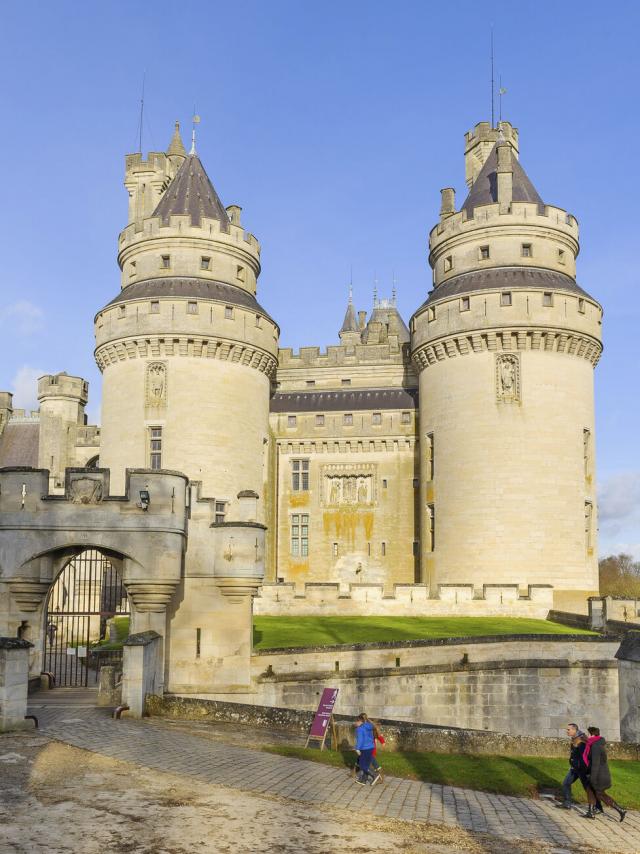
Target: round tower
(186,351)
(505,345)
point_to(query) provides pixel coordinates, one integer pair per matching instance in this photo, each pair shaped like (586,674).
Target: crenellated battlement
(405,599)
(180,225)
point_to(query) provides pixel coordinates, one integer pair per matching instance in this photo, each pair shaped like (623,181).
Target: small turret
(62,401)
(349,333)
(6,408)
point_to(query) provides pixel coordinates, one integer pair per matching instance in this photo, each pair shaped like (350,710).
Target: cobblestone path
(153,743)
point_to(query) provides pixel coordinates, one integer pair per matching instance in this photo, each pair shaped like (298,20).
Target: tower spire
(196,121)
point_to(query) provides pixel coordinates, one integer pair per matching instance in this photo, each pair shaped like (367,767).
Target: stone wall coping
(238,525)
(452,667)
(15,643)
(454,641)
(142,638)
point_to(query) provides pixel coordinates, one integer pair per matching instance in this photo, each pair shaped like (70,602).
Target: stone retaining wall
(399,735)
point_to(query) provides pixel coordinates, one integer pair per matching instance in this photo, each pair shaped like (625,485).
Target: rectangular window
(319,420)
(155,448)
(300,475)
(192,307)
(310,383)
(291,420)
(484,253)
(581,306)
(240,273)
(405,418)
(155,307)
(346,382)
(586,451)
(165,261)
(465,303)
(384,483)
(431,314)
(383,549)
(431,521)
(376,418)
(416,482)
(430,458)
(220,511)
(122,311)
(547,298)
(505,298)
(416,548)
(347,419)
(258,321)
(228,312)
(132,269)
(300,535)
(205,263)
(448,263)
(368,549)
(334,550)
(527,250)
(561,256)
(588,523)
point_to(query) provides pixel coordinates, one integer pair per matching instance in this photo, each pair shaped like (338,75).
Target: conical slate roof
(485,188)
(350,324)
(191,192)
(176,146)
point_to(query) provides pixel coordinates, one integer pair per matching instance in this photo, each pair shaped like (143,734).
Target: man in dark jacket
(577,768)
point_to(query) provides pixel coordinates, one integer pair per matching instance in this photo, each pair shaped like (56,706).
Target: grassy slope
(520,776)
(278,632)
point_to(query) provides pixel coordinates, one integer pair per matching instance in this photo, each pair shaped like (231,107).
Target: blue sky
(334,125)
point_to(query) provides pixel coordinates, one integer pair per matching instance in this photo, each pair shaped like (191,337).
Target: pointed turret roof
(485,188)
(191,192)
(176,146)
(350,323)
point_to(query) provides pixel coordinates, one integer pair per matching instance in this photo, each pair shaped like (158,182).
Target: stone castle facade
(457,450)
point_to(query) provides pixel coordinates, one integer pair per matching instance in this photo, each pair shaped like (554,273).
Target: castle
(457,450)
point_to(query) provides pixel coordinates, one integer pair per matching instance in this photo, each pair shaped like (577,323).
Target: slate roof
(344,401)
(191,192)
(485,188)
(19,445)
(389,316)
(505,278)
(350,324)
(186,287)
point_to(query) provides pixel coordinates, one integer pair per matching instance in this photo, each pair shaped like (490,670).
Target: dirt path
(55,798)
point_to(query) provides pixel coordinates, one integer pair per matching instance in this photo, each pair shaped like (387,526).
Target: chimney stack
(505,176)
(448,204)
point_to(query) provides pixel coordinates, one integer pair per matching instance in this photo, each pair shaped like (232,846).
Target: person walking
(365,743)
(595,758)
(577,768)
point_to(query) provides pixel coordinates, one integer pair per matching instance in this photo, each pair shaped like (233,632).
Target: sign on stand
(323,718)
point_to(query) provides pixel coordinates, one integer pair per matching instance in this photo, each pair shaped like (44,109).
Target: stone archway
(87,615)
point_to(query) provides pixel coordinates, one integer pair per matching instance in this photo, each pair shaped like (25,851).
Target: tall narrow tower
(506,344)
(187,356)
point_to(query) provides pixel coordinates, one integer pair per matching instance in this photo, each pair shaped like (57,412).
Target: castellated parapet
(62,401)
(506,344)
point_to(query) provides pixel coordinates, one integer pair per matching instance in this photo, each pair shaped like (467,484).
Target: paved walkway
(154,743)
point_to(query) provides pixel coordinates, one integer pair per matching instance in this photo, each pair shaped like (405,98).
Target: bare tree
(619,576)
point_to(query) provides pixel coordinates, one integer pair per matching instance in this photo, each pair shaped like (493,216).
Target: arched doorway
(86,620)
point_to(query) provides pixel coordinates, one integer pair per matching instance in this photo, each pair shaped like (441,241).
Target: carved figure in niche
(334,494)
(508,376)
(85,490)
(156,384)
(363,496)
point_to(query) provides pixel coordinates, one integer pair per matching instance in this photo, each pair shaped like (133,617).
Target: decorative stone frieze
(552,340)
(508,377)
(156,385)
(151,595)
(207,348)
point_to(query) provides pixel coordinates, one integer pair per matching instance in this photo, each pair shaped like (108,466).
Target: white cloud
(25,387)
(23,317)
(619,513)
(619,496)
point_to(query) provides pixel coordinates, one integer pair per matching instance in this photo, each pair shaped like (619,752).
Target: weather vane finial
(196,121)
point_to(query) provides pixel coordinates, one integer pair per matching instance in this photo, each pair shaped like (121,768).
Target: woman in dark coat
(595,758)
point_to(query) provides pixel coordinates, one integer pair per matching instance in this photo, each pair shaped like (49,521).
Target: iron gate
(80,633)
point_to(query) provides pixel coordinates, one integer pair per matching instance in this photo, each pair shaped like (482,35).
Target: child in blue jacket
(365,744)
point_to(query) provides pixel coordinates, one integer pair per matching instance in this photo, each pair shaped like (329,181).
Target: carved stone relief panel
(156,390)
(508,383)
(348,484)
(85,490)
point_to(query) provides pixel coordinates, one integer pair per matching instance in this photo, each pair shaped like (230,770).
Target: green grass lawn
(121,625)
(279,632)
(522,776)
